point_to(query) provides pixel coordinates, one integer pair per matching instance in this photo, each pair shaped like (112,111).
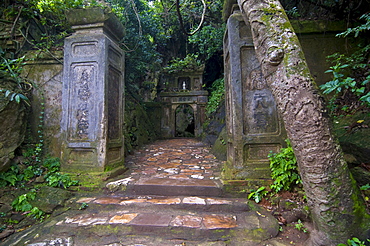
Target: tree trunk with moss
(337,208)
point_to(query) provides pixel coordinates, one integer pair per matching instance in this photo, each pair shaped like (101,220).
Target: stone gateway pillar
(93,92)
(253,124)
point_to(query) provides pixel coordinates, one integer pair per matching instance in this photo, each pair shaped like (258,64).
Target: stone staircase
(159,206)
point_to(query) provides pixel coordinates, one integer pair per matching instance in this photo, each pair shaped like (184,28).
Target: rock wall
(13,124)
(45,73)
(142,123)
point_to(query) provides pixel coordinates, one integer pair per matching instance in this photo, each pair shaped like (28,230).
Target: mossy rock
(13,123)
(352,136)
(49,198)
(219,148)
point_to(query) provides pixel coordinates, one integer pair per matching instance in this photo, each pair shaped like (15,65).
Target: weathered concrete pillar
(253,125)
(93,92)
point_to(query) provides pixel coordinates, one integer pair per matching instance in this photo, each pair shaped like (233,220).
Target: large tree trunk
(337,208)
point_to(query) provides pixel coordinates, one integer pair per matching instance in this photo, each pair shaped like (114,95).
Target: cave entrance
(184,121)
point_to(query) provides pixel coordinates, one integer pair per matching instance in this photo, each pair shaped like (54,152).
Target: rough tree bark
(337,208)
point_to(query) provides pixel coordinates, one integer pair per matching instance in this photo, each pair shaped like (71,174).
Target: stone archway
(184,121)
(184,91)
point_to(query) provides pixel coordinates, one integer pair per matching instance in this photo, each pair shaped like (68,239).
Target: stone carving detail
(257,80)
(83,111)
(260,110)
(83,75)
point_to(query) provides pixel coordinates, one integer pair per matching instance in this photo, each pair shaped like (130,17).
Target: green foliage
(52,12)
(2,228)
(258,194)
(354,242)
(293,12)
(83,206)
(55,178)
(343,84)
(300,227)
(350,73)
(60,180)
(216,97)
(365,187)
(17,176)
(57,6)
(49,168)
(190,62)
(358,29)
(12,68)
(208,40)
(284,169)
(284,172)
(22,204)
(11,177)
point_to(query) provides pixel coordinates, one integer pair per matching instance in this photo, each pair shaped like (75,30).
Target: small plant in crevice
(284,172)
(53,177)
(40,130)
(284,169)
(258,194)
(22,204)
(83,206)
(300,227)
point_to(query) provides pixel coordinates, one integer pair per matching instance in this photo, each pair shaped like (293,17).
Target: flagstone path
(172,195)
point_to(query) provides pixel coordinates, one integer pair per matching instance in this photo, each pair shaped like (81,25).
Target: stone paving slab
(184,202)
(174,167)
(205,221)
(174,159)
(171,186)
(116,225)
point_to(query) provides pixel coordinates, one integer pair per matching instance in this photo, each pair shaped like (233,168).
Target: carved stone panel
(114,79)
(260,113)
(82,111)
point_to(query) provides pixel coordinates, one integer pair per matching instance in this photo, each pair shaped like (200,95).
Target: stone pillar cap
(90,18)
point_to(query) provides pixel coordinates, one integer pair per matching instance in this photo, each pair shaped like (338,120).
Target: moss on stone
(141,126)
(318,26)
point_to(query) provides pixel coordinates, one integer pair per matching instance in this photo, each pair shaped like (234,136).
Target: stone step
(175,187)
(114,220)
(147,240)
(115,226)
(191,203)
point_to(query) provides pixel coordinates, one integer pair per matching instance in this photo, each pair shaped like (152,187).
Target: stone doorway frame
(194,109)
